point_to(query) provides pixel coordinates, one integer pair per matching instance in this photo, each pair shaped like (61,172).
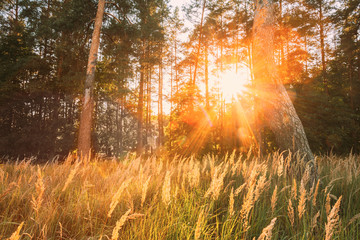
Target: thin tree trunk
(281,35)
(199,44)
(140,108)
(160,106)
(160,112)
(250,62)
(322,46)
(16,11)
(121,125)
(148,96)
(358,62)
(171,104)
(306,59)
(221,46)
(117,120)
(86,118)
(275,108)
(176,69)
(207,98)
(351,92)
(148,107)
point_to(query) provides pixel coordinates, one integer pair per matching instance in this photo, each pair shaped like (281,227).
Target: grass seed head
(216,184)
(71,176)
(314,221)
(302,201)
(231,202)
(333,219)
(166,196)
(119,224)
(115,199)
(16,235)
(294,189)
(353,219)
(199,224)
(267,231)
(144,191)
(37,200)
(291,213)
(315,193)
(247,206)
(327,204)
(274,199)
(239,189)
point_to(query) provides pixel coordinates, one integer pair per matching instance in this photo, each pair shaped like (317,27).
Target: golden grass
(231,202)
(332,220)
(302,201)
(180,198)
(16,235)
(267,231)
(274,200)
(291,212)
(119,224)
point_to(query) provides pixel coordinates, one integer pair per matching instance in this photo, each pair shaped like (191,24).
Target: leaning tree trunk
(84,140)
(274,106)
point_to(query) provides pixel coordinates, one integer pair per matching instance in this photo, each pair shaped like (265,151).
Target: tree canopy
(165,76)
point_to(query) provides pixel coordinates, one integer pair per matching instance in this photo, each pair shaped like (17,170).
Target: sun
(233,83)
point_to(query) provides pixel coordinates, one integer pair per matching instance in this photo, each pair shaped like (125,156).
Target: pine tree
(274,106)
(86,118)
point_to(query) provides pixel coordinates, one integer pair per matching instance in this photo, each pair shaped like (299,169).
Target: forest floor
(213,197)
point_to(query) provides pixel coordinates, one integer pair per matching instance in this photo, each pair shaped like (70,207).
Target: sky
(178,3)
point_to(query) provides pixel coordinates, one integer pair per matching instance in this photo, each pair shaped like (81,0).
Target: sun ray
(233,83)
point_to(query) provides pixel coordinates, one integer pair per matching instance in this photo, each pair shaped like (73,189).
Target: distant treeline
(145,61)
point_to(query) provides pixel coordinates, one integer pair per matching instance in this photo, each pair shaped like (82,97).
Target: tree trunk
(118,119)
(148,106)
(351,89)
(199,44)
(207,97)
(84,141)
(160,106)
(122,124)
(176,68)
(275,109)
(140,108)
(322,46)
(281,35)
(306,59)
(171,103)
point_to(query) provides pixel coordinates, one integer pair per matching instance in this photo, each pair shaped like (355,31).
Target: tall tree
(86,118)
(200,40)
(274,106)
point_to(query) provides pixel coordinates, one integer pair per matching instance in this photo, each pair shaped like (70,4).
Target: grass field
(228,197)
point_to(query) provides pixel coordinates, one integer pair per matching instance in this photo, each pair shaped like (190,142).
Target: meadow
(211,197)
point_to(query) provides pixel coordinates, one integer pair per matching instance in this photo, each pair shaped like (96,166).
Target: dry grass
(231,197)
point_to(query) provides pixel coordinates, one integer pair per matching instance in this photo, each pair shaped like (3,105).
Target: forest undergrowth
(212,197)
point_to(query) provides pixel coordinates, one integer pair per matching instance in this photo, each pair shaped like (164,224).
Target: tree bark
(275,109)
(148,98)
(160,103)
(322,47)
(207,96)
(140,109)
(86,118)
